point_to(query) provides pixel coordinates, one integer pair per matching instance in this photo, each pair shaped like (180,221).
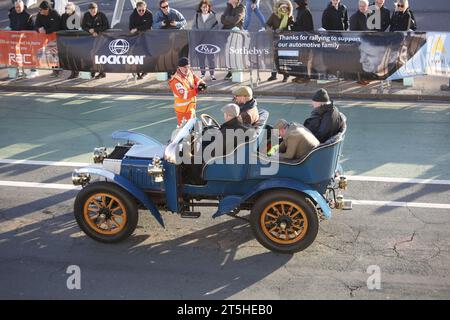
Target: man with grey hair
(297,142)
(358,21)
(19,18)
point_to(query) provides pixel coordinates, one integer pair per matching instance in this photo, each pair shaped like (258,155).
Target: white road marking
(398,180)
(46,163)
(23,184)
(401,204)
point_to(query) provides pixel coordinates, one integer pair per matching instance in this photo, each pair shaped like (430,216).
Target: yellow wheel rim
(284,222)
(105,213)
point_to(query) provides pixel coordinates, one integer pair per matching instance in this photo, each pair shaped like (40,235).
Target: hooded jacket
(141,23)
(99,22)
(51,22)
(297,142)
(211,22)
(233,17)
(324,122)
(304,20)
(274,21)
(20,21)
(333,19)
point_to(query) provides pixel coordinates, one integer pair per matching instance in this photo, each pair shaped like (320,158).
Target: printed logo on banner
(207,48)
(119,47)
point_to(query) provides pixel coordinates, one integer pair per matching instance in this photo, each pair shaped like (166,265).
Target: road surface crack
(402,242)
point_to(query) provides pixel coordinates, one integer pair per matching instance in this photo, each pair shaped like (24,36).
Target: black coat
(233,124)
(51,22)
(333,19)
(358,21)
(99,22)
(324,122)
(141,23)
(385,18)
(402,21)
(304,20)
(64,19)
(20,21)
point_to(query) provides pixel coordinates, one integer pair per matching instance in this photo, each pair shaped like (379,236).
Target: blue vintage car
(285,207)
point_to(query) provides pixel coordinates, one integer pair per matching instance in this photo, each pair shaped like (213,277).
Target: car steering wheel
(209,121)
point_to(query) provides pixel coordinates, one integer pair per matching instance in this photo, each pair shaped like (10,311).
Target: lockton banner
(117,52)
(28,49)
(348,55)
(237,50)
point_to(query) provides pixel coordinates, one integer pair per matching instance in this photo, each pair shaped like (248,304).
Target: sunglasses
(165,7)
(401,5)
(142,10)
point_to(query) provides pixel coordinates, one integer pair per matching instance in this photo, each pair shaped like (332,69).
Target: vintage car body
(286,207)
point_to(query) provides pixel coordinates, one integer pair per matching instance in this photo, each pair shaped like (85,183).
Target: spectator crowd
(237,16)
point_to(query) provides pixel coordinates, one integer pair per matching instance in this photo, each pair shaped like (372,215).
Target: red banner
(28,49)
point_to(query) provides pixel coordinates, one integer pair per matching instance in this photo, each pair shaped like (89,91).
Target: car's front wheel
(284,221)
(106,212)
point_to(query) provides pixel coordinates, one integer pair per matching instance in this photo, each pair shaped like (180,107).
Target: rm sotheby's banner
(348,55)
(28,49)
(229,49)
(117,52)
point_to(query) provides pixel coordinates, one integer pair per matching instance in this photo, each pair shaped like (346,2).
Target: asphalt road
(431,15)
(397,155)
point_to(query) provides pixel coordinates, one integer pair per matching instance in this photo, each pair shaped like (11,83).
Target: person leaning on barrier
(325,120)
(304,19)
(95,22)
(335,16)
(48,21)
(205,20)
(402,18)
(243,97)
(233,19)
(141,19)
(358,20)
(168,18)
(19,18)
(185,86)
(280,20)
(297,140)
(385,16)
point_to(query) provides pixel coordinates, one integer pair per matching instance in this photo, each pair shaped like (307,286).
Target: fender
(128,186)
(230,203)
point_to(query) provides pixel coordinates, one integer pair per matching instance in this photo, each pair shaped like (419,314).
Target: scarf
(284,16)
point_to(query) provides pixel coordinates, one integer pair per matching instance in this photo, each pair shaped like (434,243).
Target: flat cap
(244,91)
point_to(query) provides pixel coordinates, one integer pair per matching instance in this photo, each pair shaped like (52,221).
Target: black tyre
(106,212)
(284,221)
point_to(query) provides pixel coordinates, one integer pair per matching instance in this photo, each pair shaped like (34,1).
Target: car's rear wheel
(106,212)
(284,221)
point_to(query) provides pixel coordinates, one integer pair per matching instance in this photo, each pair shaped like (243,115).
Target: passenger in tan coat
(297,142)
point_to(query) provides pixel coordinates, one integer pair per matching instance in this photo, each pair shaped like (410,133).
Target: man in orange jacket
(185,86)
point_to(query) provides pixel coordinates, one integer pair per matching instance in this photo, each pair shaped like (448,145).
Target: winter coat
(233,17)
(249,112)
(173,15)
(51,22)
(304,20)
(385,18)
(234,124)
(324,122)
(211,22)
(358,21)
(64,19)
(274,21)
(99,22)
(402,21)
(141,23)
(20,21)
(333,19)
(297,142)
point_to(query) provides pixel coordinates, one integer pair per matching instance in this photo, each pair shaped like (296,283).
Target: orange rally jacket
(184,88)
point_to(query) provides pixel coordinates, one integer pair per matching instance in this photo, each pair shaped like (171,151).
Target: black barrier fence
(317,55)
